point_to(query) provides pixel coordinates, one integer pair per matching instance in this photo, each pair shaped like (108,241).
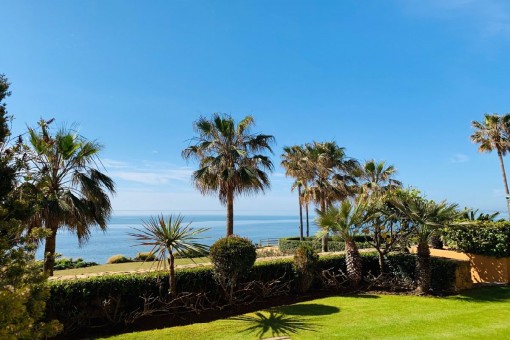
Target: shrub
(232,257)
(104,300)
(69,263)
(145,256)
(289,245)
(483,238)
(305,265)
(119,258)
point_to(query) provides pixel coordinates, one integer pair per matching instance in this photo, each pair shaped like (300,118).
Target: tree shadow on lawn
(308,309)
(274,324)
(486,294)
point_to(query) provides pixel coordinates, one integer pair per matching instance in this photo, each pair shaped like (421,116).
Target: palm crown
(230,159)
(72,192)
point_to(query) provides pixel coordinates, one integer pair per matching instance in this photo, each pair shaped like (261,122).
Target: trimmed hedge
(483,238)
(289,245)
(81,302)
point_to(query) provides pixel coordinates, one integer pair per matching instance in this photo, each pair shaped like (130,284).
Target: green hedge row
(483,238)
(289,245)
(82,301)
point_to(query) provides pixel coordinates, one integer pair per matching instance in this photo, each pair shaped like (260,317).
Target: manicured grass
(125,267)
(482,313)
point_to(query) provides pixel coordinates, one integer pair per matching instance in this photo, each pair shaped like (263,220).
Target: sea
(116,239)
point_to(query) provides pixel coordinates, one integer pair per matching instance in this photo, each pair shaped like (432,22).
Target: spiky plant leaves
(168,238)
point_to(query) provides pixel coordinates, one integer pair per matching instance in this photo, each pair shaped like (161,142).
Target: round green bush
(233,255)
(119,258)
(232,258)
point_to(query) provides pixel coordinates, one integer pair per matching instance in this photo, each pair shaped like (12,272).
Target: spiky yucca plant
(169,238)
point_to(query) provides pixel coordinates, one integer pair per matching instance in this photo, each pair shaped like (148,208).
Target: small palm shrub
(232,258)
(145,256)
(119,258)
(305,266)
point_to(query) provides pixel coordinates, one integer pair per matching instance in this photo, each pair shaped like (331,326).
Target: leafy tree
(72,192)
(230,159)
(425,217)
(345,221)
(23,289)
(169,238)
(492,134)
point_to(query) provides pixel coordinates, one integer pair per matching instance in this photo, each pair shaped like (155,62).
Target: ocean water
(116,240)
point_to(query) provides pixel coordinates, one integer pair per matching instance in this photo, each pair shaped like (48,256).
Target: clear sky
(391,80)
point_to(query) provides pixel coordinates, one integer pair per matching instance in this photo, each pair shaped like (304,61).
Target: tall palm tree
(330,176)
(72,192)
(376,177)
(292,161)
(167,239)
(493,135)
(425,217)
(345,222)
(230,159)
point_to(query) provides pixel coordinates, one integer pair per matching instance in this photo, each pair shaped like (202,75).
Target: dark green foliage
(483,238)
(70,263)
(232,258)
(82,302)
(233,255)
(289,245)
(305,266)
(23,289)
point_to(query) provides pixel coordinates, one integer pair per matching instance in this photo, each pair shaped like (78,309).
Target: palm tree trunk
(172,287)
(326,236)
(307,221)
(503,172)
(354,264)
(300,215)
(230,212)
(423,267)
(49,252)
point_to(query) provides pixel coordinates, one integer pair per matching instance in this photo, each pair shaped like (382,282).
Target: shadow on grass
(486,294)
(274,324)
(308,309)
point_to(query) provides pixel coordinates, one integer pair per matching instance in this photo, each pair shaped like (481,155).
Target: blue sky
(392,80)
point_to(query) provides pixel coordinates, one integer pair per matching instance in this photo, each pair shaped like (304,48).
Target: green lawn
(482,313)
(124,267)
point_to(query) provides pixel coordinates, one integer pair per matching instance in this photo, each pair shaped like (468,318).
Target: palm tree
(72,193)
(167,239)
(230,159)
(425,217)
(345,222)
(292,161)
(376,177)
(493,134)
(330,176)
(377,181)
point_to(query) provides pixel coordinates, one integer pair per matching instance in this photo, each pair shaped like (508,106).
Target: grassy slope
(124,267)
(478,314)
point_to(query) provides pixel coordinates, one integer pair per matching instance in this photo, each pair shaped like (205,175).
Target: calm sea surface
(116,240)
